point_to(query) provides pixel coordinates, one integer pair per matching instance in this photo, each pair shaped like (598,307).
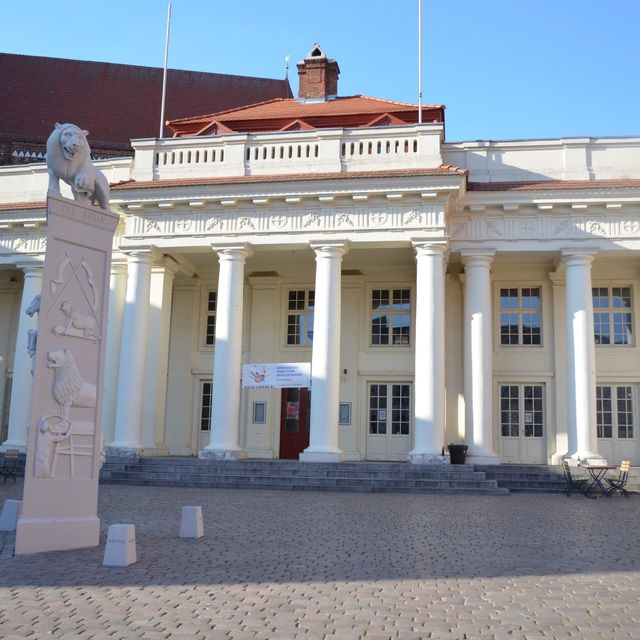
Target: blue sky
(504,69)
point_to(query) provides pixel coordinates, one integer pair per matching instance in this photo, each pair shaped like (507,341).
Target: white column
(133,350)
(155,381)
(478,351)
(429,354)
(225,412)
(325,356)
(117,291)
(20,407)
(581,357)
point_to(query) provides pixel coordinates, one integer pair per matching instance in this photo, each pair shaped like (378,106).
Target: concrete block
(10,514)
(191,525)
(121,546)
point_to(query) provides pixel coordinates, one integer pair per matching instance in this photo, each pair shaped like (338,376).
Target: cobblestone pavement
(289,565)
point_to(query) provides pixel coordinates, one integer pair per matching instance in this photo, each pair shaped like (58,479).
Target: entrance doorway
(522,424)
(617,438)
(294,422)
(389,421)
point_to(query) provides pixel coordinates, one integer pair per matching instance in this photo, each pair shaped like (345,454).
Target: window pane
(205,406)
(601,328)
(600,297)
(401,329)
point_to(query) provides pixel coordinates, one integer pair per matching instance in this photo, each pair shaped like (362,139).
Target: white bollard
(121,546)
(10,514)
(191,525)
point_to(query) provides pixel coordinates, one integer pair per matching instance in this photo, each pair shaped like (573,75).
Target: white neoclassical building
(482,292)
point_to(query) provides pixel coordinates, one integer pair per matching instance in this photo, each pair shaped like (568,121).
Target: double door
(522,423)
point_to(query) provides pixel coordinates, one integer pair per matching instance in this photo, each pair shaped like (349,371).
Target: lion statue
(69,159)
(69,390)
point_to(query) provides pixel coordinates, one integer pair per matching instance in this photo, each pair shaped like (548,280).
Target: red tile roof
(444,170)
(115,102)
(274,115)
(553,185)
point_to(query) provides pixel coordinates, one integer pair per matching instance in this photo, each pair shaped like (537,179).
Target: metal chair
(619,483)
(9,466)
(573,484)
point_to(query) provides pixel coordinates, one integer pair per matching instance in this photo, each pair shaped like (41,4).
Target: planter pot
(457,453)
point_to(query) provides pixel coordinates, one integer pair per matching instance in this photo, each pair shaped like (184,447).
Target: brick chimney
(318,76)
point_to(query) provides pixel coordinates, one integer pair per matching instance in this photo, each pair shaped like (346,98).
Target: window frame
(370,312)
(286,312)
(520,310)
(611,312)
(203,317)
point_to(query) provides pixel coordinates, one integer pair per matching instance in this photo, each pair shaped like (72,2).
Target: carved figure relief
(69,390)
(55,431)
(69,159)
(51,431)
(77,325)
(32,334)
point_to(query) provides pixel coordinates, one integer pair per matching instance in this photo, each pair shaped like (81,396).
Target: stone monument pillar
(65,441)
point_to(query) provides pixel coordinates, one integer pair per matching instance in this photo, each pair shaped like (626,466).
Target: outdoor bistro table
(597,473)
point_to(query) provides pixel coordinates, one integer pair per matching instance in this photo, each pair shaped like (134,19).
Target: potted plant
(457,453)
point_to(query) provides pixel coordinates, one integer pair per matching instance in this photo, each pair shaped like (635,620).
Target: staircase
(541,478)
(300,476)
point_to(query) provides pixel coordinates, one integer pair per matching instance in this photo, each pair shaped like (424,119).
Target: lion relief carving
(69,159)
(69,390)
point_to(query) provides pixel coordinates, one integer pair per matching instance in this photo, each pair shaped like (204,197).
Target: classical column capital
(31,268)
(330,249)
(429,247)
(577,257)
(477,257)
(233,251)
(142,255)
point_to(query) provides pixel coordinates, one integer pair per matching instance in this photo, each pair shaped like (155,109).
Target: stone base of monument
(37,535)
(10,514)
(121,546)
(191,525)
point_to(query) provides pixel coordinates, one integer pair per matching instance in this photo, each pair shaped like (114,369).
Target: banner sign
(276,375)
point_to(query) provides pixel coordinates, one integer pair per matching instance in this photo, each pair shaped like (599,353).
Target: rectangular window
(390,317)
(400,409)
(614,411)
(378,409)
(205,405)
(300,308)
(520,316)
(259,413)
(509,410)
(210,327)
(612,315)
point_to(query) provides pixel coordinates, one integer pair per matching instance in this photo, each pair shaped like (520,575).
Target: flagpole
(164,74)
(419,61)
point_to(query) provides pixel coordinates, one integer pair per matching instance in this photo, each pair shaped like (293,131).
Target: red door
(294,422)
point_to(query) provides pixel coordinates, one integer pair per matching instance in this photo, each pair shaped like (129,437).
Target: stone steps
(532,478)
(300,476)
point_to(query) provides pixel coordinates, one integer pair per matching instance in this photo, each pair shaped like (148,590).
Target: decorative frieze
(22,242)
(222,222)
(545,228)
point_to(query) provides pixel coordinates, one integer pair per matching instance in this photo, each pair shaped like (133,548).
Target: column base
(20,446)
(222,454)
(486,458)
(37,535)
(321,456)
(122,452)
(589,457)
(427,458)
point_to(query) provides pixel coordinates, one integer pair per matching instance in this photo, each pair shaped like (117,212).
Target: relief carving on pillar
(56,430)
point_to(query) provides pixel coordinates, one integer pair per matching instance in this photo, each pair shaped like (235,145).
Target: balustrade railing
(300,152)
